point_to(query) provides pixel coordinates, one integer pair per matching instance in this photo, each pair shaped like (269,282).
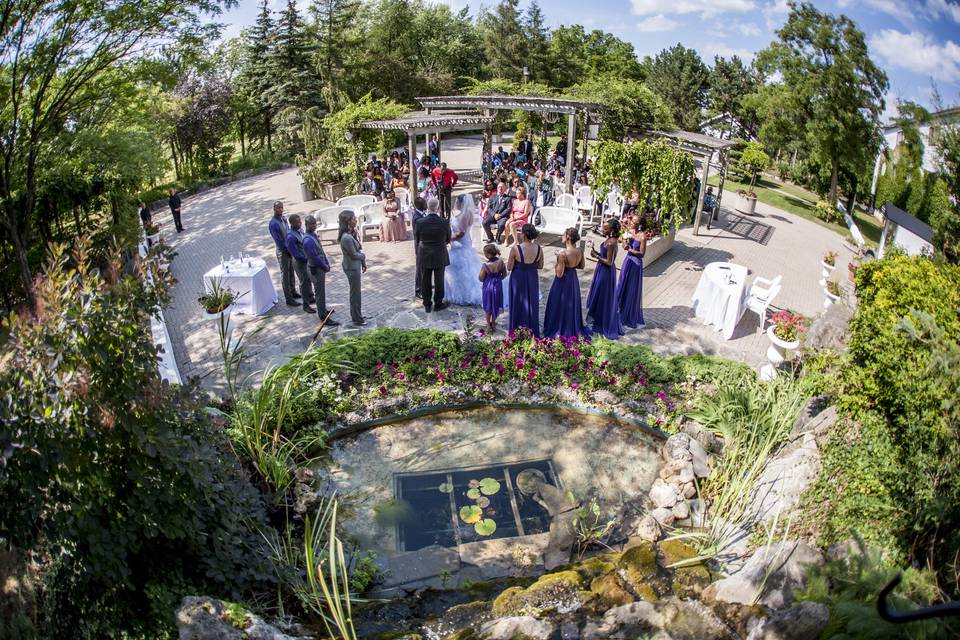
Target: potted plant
(746,202)
(784,334)
(216,302)
(152,229)
(832,293)
(827,264)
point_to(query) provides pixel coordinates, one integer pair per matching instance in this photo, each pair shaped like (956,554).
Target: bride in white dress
(461,279)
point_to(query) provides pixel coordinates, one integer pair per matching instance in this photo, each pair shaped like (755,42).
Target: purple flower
(574,385)
(499,368)
(518,362)
(431,353)
(383,390)
(531,374)
(661,395)
(378,366)
(485,361)
(613,381)
(441,376)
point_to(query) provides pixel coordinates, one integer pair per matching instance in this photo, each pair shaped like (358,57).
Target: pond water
(388,478)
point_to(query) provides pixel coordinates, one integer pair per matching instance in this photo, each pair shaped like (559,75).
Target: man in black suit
(432,234)
(174,203)
(419,210)
(498,212)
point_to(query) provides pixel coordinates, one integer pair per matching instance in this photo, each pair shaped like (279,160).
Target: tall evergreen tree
(295,80)
(538,43)
(334,22)
(256,79)
(679,76)
(504,41)
(730,80)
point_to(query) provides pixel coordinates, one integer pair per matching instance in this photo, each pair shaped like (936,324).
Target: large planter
(225,314)
(829,298)
(305,194)
(745,204)
(333,191)
(825,271)
(154,238)
(658,246)
(777,352)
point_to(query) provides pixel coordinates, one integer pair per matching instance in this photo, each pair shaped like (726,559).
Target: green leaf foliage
(125,492)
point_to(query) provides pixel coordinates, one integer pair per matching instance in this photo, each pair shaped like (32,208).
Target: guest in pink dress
(392,229)
(520,212)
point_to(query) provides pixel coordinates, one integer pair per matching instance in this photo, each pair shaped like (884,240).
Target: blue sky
(917,42)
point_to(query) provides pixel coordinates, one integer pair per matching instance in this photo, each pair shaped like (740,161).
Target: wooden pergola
(701,146)
(487,104)
(425,123)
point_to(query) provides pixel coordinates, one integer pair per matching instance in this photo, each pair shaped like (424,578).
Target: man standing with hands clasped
(295,248)
(174,203)
(419,212)
(317,267)
(279,228)
(432,234)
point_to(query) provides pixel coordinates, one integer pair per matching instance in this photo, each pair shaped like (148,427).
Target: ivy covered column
(700,196)
(411,154)
(571,149)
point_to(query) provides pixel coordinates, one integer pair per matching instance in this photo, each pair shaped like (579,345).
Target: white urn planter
(154,237)
(221,318)
(746,204)
(777,352)
(825,272)
(829,298)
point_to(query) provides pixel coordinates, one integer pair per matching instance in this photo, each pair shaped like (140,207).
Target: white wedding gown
(462,278)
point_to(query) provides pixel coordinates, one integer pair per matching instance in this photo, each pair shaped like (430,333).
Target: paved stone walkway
(234,217)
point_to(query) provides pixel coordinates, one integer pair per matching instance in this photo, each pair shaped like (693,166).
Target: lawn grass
(801,202)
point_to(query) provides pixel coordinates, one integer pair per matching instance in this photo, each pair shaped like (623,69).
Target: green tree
(679,76)
(538,44)
(295,80)
(56,57)
(334,28)
(729,81)
(946,221)
(256,79)
(827,73)
(576,55)
(629,104)
(754,160)
(504,41)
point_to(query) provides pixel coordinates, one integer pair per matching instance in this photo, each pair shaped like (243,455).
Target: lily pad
(471,514)
(530,480)
(445,487)
(489,486)
(474,484)
(485,527)
(473,494)
(483,502)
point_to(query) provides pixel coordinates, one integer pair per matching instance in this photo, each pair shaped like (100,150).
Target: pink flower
(402,376)
(518,362)
(531,374)
(383,390)
(613,381)
(661,395)
(499,368)
(378,366)
(574,385)
(441,376)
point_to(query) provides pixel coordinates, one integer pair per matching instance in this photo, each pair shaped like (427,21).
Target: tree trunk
(243,148)
(23,267)
(176,162)
(76,222)
(851,199)
(834,177)
(266,121)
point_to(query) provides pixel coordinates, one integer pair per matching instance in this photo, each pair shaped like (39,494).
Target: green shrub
(125,492)
(891,472)
(827,212)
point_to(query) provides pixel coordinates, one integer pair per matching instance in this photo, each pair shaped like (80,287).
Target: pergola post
(439,151)
(700,196)
(586,133)
(412,153)
(571,149)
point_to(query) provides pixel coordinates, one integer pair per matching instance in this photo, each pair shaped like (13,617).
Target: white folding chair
(585,202)
(614,204)
(403,197)
(759,301)
(763,285)
(558,189)
(566,201)
(356,201)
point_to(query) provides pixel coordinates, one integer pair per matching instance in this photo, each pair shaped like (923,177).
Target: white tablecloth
(720,295)
(250,279)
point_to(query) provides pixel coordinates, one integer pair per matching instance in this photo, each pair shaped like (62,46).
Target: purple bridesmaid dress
(564,315)
(525,294)
(630,289)
(493,290)
(602,300)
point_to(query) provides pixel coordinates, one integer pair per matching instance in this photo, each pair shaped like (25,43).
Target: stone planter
(777,352)
(746,205)
(305,194)
(825,271)
(225,314)
(333,191)
(154,238)
(657,247)
(829,298)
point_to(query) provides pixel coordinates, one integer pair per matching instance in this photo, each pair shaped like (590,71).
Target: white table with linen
(250,280)
(720,295)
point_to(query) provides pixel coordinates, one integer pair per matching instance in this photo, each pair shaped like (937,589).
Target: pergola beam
(511,103)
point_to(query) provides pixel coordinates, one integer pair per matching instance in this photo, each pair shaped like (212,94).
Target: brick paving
(233,218)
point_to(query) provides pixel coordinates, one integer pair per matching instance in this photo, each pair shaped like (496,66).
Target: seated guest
(498,212)
(424,184)
(392,229)
(520,212)
(368,186)
(631,204)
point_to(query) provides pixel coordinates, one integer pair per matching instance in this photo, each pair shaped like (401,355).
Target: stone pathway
(233,218)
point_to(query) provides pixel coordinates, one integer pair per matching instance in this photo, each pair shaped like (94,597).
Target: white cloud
(890,101)
(658,22)
(706,8)
(710,49)
(775,13)
(902,9)
(748,29)
(918,52)
(938,8)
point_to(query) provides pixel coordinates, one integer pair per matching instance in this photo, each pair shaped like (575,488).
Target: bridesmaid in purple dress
(491,275)
(630,286)
(602,299)
(564,315)
(526,259)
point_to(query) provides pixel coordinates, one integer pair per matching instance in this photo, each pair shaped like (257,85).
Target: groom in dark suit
(418,213)
(432,235)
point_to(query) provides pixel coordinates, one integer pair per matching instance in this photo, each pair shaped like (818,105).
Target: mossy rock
(463,634)
(646,592)
(607,593)
(638,564)
(593,567)
(689,580)
(543,595)
(674,551)
(469,615)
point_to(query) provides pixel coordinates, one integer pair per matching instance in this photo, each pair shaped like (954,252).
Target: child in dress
(491,275)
